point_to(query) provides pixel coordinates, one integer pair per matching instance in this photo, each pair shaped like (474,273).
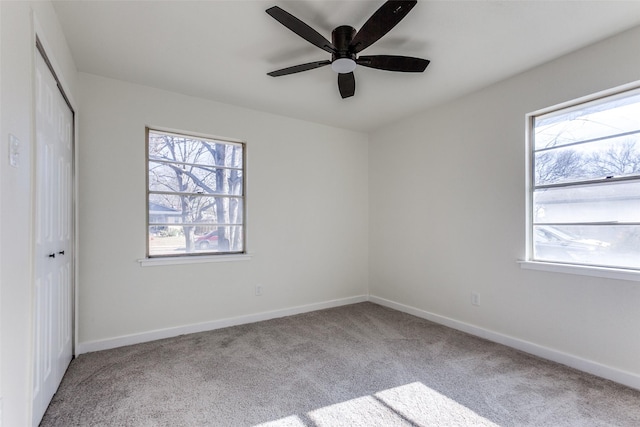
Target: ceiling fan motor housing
(341,38)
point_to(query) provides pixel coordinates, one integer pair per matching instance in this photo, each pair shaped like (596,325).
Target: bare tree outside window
(558,166)
(195,195)
(620,160)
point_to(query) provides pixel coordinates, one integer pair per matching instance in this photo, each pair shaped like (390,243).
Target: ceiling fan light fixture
(343,65)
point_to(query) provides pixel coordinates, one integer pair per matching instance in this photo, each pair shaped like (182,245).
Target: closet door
(53,248)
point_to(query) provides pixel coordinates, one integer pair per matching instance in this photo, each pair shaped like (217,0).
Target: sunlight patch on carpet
(407,405)
(425,406)
(362,411)
(290,421)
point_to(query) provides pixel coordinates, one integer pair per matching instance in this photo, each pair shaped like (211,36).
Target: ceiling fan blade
(300,28)
(380,23)
(406,64)
(298,68)
(346,84)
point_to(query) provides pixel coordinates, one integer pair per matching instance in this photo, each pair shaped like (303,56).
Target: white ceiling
(222,50)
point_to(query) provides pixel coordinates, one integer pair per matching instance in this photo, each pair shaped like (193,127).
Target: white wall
(447,217)
(307,199)
(17,53)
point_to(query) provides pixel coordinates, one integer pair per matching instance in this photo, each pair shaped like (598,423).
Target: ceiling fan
(346,44)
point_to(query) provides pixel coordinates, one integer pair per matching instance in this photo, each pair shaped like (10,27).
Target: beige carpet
(358,365)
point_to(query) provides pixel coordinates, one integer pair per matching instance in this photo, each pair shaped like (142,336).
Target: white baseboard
(622,377)
(109,343)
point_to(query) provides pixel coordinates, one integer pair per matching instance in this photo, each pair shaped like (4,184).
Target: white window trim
(197,258)
(176,260)
(584,270)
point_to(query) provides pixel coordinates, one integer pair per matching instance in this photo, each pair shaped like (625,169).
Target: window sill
(152,262)
(583,270)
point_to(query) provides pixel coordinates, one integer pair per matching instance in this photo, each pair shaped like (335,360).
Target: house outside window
(584,182)
(195,195)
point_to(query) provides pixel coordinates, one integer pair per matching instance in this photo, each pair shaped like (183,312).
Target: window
(585,182)
(195,195)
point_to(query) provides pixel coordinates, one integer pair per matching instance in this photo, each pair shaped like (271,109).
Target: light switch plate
(14,151)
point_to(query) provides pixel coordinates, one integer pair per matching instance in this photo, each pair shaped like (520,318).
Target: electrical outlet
(258,290)
(475,298)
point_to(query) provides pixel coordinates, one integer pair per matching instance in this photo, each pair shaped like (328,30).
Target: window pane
(195,195)
(588,121)
(616,157)
(589,215)
(602,245)
(194,179)
(189,239)
(608,202)
(199,209)
(184,149)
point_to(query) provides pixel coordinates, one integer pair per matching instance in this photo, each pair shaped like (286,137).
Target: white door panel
(53,267)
